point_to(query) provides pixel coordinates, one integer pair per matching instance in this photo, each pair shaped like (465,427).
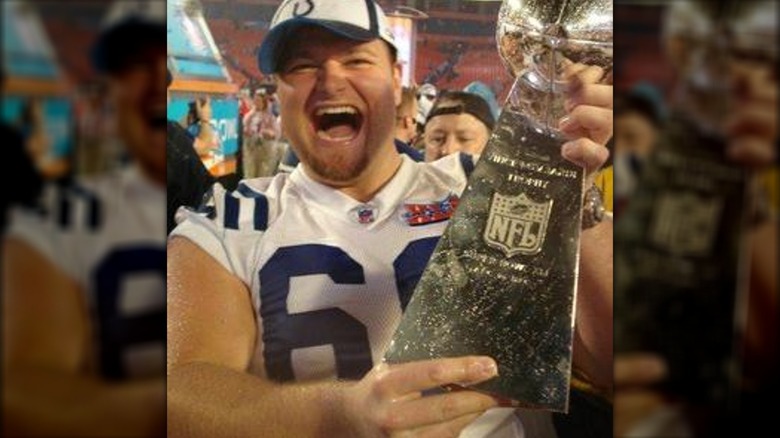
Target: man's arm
(48,390)
(593,330)
(211,339)
(589,124)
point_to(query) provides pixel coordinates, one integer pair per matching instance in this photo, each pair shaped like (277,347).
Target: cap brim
(274,41)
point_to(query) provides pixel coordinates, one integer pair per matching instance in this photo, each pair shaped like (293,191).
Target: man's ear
(410,123)
(397,83)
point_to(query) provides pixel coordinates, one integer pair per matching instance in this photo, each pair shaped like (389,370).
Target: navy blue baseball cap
(360,20)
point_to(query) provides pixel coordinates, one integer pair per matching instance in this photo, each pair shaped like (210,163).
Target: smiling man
(284,294)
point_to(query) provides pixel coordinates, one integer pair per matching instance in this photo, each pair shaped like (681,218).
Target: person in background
(406,125)
(262,149)
(200,126)
(83,274)
(458,122)
(426,96)
(27,180)
(638,120)
(187,177)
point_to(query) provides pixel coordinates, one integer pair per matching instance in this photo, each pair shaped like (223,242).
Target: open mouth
(337,123)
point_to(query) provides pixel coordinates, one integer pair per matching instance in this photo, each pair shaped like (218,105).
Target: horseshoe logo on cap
(304,13)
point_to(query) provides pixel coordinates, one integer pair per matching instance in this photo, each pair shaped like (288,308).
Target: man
(84,288)
(458,122)
(405,124)
(301,277)
(187,176)
(262,148)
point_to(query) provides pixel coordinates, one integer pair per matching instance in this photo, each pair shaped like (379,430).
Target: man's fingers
(639,369)
(401,379)
(436,409)
(591,94)
(586,74)
(588,121)
(450,429)
(753,120)
(754,152)
(585,153)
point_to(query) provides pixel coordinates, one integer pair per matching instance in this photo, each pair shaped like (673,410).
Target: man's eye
(354,62)
(299,66)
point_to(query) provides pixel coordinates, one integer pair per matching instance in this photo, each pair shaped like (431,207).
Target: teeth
(337,110)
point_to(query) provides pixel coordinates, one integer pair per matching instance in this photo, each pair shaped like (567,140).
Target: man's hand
(589,121)
(752,128)
(388,401)
(634,399)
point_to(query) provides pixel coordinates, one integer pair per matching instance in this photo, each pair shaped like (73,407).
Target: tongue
(340,131)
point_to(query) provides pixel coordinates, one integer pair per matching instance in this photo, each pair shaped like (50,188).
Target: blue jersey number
(283,332)
(117,331)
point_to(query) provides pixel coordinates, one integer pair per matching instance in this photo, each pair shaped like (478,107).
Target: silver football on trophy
(543,41)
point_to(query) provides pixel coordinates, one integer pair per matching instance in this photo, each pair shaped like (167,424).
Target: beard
(340,167)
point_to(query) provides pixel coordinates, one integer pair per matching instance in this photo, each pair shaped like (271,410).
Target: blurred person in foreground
(405,124)
(27,179)
(186,175)
(284,294)
(84,286)
(748,127)
(458,122)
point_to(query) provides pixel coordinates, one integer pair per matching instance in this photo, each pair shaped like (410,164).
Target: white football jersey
(329,276)
(108,234)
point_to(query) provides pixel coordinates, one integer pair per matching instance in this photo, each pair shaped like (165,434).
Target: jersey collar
(341,206)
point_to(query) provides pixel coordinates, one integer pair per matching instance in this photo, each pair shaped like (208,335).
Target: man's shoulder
(250,207)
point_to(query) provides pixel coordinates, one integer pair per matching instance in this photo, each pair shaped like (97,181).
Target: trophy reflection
(503,277)
(680,241)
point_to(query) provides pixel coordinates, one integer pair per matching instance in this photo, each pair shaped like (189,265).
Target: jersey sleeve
(54,226)
(227,226)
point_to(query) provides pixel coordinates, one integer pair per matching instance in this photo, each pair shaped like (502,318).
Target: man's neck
(374,177)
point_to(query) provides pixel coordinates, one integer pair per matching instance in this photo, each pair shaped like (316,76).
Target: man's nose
(451,145)
(331,77)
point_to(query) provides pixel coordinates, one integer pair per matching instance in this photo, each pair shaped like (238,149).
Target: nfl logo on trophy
(516,224)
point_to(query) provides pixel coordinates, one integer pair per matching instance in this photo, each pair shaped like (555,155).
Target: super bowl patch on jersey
(429,213)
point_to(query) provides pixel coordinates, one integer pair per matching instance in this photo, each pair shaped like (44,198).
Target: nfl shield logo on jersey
(365,215)
(516,224)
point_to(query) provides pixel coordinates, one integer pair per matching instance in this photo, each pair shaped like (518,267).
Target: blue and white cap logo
(361,20)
